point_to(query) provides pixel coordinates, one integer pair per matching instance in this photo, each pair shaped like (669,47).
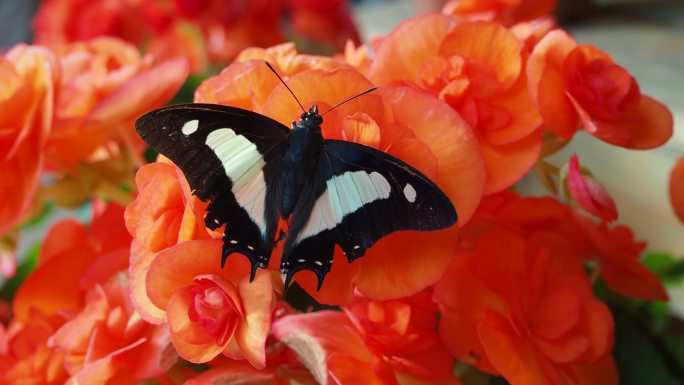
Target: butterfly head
(311,118)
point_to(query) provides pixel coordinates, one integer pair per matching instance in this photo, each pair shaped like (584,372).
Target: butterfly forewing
(357,196)
(229,156)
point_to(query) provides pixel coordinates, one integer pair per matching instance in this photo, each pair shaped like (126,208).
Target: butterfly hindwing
(359,195)
(228,156)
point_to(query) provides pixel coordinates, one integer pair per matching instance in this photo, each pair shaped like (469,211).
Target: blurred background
(646,37)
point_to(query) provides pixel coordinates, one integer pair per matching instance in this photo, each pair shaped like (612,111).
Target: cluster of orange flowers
(207,32)
(474,97)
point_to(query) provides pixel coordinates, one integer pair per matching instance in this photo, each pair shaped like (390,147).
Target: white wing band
(243,164)
(344,195)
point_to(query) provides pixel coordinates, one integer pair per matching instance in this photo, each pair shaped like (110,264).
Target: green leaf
(668,268)
(23,270)
(659,315)
(657,261)
(640,357)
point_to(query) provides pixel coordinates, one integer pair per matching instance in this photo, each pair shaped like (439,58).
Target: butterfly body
(305,143)
(255,171)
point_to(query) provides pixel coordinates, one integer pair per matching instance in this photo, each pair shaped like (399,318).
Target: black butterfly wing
(359,195)
(229,156)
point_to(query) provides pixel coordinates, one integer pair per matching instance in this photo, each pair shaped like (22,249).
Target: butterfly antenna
(285,84)
(350,99)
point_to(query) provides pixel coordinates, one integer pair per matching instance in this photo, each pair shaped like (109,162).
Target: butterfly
(255,171)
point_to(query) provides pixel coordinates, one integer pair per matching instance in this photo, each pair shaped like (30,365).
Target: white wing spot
(233,242)
(301,260)
(410,193)
(250,247)
(319,263)
(357,247)
(190,127)
(216,221)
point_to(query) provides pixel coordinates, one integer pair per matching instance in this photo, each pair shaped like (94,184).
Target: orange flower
(357,56)
(163,214)
(530,317)
(409,124)
(65,21)
(617,253)
(220,30)
(29,75)
(106,84)
(506,12)
(677,188)
(25,357)
(477,69)
(96,334)
(74,259)
(247,83)
(107,340)
(231,27)
(589,193)
(209,310)
(614,249)
(181,40)
(392,342)
(580,85)
(531,32)
(325,25)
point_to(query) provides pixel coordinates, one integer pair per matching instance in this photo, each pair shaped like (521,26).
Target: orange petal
(257,300)
(75,334)
(177,311)
(507,164)
(563,350)
(62,236)
(312,338)
(128,101)
(401,54)
(488,44)
(449,138)
(646,125)
(361,128)
(514,358)
(20,177)
(631,278)
(597,323)
(140,261)
(558,311)
(347,369)
(177,267)
(108,226)
(322,87)
(411,261)
(244,85)
(547,85)
(464,302)
(39,292)
(104,267)
(523,114)
(677,188)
